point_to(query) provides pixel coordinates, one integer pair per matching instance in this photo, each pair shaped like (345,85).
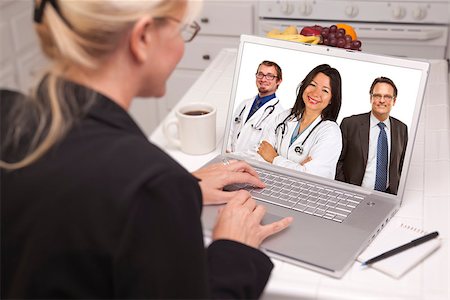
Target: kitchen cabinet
(222,22)
(21,60)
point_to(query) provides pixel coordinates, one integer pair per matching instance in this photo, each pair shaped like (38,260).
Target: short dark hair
(382,79)
(331,111)
(272,64)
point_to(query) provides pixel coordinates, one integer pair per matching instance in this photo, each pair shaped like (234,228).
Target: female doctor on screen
(252,115)
(306,138)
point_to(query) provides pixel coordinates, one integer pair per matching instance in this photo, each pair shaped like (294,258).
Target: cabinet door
(149,112)
(145,112)
(179,83)
(203,49)
(229,18)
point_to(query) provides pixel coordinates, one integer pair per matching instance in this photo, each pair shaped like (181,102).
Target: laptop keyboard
(306,197)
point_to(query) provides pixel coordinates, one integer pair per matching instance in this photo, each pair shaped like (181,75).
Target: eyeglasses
(385,97)
(187,31)
(269,76)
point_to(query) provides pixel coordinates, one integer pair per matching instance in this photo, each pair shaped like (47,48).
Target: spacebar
(271,201)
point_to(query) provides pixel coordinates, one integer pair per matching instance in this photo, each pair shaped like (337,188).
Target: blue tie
(382,160)
(254,108)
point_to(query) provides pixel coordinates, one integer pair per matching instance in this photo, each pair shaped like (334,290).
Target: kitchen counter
(426,202)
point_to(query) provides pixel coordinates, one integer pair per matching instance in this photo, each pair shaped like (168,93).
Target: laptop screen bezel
(420,65)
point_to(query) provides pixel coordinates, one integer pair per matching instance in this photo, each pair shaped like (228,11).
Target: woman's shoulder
(330,126)
(330,123)
(10,99)
(284,114)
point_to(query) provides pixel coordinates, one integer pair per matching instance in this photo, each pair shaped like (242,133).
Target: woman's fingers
(242,166)
(272,228)
(242,177)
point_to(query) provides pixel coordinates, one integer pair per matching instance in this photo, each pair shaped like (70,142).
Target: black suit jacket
(355,150)
(106,214)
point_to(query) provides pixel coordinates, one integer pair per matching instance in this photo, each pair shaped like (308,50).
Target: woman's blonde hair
(82,34)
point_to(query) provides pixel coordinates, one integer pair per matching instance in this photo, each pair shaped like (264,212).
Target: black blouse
(107,214)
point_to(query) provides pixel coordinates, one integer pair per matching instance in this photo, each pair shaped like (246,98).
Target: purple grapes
(337,37)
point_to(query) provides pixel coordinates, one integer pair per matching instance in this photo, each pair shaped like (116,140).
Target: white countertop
(426,201)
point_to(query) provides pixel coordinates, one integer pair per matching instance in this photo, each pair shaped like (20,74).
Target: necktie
(382,160)
(254,108)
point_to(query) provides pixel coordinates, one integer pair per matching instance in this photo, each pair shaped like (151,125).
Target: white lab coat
(243,138)
(324,145)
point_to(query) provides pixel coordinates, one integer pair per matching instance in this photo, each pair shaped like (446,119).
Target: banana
(273,32)
(295,37)
(290,30)
(316,41)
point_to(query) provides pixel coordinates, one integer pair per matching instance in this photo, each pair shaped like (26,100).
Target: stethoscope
(266,113)
(283,125)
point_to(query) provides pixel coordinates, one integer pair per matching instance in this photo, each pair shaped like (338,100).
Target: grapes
(340,43)
(333,42)
(337,37)
(348,39)
(356,45)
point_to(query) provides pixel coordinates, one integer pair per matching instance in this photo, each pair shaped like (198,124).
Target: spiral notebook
(396,234)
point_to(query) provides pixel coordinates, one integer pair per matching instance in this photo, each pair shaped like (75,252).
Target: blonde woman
(90,208)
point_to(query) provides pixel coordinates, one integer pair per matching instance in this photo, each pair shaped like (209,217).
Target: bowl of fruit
(339,35)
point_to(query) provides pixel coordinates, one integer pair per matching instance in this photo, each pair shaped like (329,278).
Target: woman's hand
(240,220)
(216,176)
(267,151)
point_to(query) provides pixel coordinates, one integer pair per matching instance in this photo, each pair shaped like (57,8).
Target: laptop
(324,242)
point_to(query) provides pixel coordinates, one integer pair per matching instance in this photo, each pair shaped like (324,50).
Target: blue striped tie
(254,108)
(382,160)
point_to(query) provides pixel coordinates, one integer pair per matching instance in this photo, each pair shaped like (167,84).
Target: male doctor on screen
(374,143)
(252,115)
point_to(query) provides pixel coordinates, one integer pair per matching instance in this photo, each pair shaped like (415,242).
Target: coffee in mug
(196,112)
(196,128)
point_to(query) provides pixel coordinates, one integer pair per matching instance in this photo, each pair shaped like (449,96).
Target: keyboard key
(319,212)
(342,209)
(339,219)
(322,201)
(353,201)
(343,202)
(266,192)
(337,212)
(275,195)
(309,210)
(299,207)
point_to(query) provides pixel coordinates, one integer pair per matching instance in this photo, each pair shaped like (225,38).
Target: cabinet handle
(206,57)
(204,20)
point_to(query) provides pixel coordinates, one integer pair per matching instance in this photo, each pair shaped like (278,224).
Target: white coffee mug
(196,128)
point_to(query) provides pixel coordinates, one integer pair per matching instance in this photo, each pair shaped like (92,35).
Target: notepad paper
(396,234)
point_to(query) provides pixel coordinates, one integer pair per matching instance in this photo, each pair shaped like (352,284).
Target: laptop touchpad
(270,218)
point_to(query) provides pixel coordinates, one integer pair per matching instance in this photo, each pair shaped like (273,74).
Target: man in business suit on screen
(374,143)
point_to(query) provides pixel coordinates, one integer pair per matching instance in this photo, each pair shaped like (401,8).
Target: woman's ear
(141,39)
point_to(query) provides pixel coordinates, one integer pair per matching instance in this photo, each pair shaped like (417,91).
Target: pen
(402,248)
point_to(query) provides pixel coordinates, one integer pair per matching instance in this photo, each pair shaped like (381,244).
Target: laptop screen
(348,145)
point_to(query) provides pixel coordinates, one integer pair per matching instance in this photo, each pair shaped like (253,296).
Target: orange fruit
(348,30)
